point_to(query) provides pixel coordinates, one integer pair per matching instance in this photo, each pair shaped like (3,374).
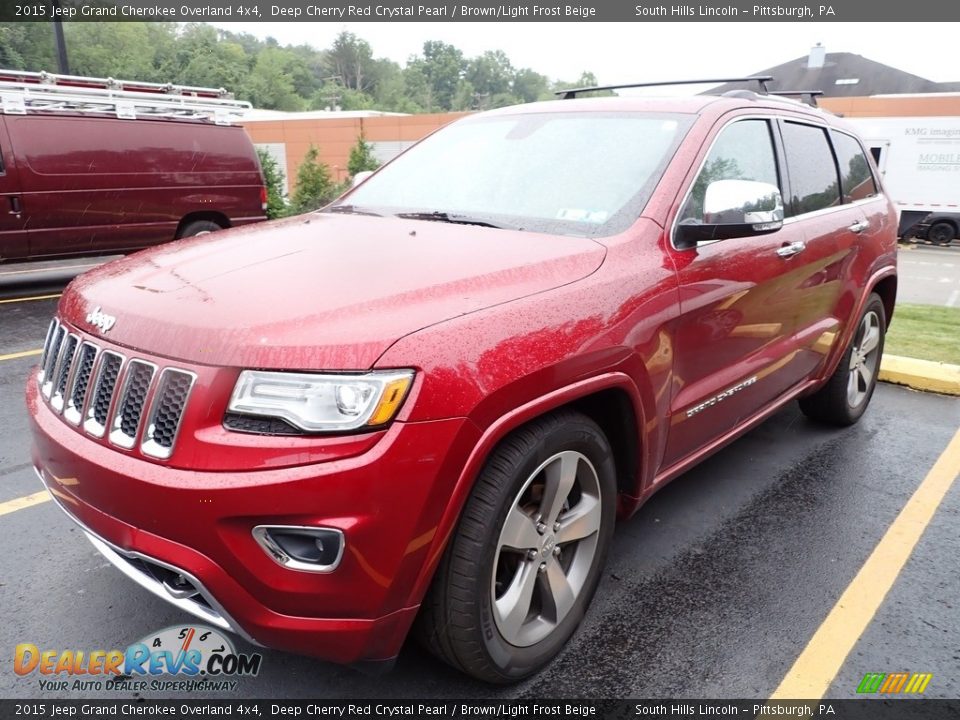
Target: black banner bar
(867,709)
(477,11)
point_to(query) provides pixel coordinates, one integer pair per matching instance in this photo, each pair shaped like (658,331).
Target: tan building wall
(335,136)
(894,105)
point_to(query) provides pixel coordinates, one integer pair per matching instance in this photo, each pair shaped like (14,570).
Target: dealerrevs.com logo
(182,658)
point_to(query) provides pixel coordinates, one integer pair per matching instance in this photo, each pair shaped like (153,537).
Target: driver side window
(742,151)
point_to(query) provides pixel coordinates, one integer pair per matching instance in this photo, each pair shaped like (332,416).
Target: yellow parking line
(26,299)
(25,353)
(24,502)
(48,269)
(824,655)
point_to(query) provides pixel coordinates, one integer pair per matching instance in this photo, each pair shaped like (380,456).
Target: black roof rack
(807,96)
(761,80)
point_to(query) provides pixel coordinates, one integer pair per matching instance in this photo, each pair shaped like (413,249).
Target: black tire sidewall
(199,226)
(951,233)
(513,662)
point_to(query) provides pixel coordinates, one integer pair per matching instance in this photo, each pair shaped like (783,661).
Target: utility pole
(62,65)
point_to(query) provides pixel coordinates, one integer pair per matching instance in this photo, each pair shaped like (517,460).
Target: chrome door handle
(859,226)
(791,249)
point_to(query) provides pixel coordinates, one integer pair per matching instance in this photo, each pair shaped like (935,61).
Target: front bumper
(148,519)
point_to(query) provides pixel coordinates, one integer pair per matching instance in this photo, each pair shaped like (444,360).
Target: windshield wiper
(455,218)
(351,210)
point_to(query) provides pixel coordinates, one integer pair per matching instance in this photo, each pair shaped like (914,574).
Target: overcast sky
(637,52)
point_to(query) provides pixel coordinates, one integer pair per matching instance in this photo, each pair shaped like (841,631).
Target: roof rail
(761,80)
(807,96)
(22,92)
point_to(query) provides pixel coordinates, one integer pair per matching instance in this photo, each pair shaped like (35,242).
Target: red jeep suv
(425,405)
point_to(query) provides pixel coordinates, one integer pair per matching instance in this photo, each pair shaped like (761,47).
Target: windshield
(583,174)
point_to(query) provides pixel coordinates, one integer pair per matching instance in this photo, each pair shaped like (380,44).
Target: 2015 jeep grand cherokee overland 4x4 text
(424,406)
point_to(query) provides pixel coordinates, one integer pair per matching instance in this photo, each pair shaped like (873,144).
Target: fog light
(298,547)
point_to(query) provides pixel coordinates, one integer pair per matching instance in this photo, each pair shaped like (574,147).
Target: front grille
(164,420)
(106,389)
(62,372)
(81,381)
(50,359)
(133,397)
(103,387)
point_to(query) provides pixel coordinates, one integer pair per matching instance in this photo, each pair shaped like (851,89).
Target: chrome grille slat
(52,357)
(68,350)
(51,331)
(129,408)
(166,412)
(108,394)
(105,382)
(76,397)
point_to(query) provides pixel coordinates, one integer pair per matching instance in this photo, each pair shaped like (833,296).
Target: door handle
(15,208)
(792,249)
(859,226)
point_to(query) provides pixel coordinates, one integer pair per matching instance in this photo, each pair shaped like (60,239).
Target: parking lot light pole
(62,65)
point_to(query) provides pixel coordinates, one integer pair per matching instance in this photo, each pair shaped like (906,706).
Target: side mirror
(360,177)
(733,209)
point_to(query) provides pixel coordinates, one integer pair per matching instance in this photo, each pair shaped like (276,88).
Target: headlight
(322,403)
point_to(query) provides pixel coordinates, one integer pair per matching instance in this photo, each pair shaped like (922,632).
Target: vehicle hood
(319,291)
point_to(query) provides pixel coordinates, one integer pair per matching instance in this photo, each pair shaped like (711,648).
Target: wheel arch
(608,399)
(886,288)
(884,284)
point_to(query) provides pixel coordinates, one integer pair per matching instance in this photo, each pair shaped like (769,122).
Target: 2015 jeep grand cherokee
(431,400)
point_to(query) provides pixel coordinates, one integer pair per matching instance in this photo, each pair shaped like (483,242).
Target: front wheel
(848,391)
(528,552)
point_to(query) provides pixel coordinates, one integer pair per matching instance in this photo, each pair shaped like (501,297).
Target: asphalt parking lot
(930,274)
(713,590)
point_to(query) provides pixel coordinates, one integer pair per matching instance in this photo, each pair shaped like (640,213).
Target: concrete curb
(921,374)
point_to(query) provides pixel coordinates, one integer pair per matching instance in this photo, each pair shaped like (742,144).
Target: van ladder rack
(761,80)
(807,96)
(23,92)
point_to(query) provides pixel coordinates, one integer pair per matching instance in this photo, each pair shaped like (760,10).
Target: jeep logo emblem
(101,319)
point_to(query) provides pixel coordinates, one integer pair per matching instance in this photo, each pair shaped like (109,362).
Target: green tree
(491,75)
(315,186)
(362,158)
(442,67)
(270,84)
(350,59)
(124,50)
(276,205)
(529,85)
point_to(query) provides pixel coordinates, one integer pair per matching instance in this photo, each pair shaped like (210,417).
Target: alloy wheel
(546,548)
(864,359)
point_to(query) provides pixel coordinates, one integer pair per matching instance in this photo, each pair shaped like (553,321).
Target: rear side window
(813,174)
(856,180)
(743,151)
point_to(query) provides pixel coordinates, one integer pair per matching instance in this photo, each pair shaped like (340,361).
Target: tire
(492,566)
(199,227)
(941,233)
(844,399)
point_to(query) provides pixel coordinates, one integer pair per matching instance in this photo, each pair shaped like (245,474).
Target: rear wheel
(848,391)
(528,552)
(941,233)
(199,227)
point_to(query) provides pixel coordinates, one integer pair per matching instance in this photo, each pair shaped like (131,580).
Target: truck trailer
(919,160)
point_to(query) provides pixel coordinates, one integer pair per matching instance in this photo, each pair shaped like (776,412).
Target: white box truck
(919,160)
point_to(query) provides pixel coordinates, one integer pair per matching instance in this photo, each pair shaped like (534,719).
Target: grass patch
(927,332)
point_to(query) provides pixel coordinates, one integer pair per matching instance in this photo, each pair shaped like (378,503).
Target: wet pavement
(711,591)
